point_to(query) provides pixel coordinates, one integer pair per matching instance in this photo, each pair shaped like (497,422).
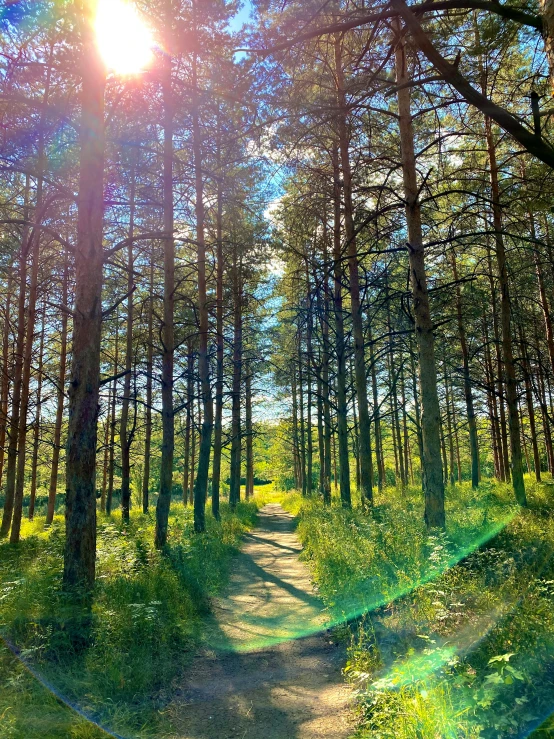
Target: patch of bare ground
(270,669)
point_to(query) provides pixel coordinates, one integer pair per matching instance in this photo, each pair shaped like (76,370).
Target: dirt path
(270,670)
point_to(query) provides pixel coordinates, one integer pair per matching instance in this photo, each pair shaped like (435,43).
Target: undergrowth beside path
(451,635)
(147,619)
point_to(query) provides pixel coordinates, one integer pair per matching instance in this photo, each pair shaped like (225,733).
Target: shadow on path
(270,670)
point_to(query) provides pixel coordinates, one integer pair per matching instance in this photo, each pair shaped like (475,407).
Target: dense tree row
(409,224)
(413,231)
(146,233)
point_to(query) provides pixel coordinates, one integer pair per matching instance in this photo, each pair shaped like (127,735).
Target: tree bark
(218,425)
(201,484)
(249,434)
(36,425)
(505,315)
(112,424)
(468,392)
(6,370)
(11,468)
(126,435)
(80,514)
(355,300)
(148,413)
(235,476)
(168,334)
(342,420)
(52,491)
(433,483)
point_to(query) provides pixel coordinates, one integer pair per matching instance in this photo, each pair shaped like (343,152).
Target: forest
(276,369)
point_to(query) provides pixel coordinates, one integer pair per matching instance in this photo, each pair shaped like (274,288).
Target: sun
(123,38)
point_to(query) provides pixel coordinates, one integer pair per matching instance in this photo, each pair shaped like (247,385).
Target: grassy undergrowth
(147,618)
(452,635)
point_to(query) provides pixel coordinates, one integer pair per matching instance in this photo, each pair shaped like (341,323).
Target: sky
(242,17)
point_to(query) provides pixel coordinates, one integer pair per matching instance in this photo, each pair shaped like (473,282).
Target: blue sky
(242,17)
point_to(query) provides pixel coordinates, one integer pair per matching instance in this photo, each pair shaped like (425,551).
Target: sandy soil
(270,670)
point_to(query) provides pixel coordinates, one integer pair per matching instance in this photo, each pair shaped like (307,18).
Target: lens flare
(123,38)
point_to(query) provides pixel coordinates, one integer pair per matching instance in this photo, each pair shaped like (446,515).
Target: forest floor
(269,668)
(451,633)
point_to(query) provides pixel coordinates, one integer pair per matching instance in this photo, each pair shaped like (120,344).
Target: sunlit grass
(452,635)
(147,619)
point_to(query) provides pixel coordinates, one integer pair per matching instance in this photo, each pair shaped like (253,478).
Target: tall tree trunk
(302,450)
(468,392)
(55,464)
(249,435)
(218,426)
(295,435)
(111,459)
(355,300)
(327,430)
(11,469)
(309,362)
(320,435)
(26,378)
(126,435)
(148,413)
(6,370)
(168,334)
(192,455)
(505,313)
(492,405)
(31,318)
(188,424)
(530,407)
(381,482)
(449,423)
(433,482)
(201,485)
(36,425)
(417,409)
(234,489)
(342,420)
(84,384)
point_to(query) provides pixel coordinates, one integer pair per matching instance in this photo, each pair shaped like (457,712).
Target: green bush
(116,663)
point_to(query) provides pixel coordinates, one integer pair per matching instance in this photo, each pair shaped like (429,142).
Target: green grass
(451,635)
(149,609)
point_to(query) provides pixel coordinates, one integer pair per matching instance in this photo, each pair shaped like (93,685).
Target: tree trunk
(168,334)
(505,313)
(52,491)
(309,361)
(249,435)
(149,369)
(433,482)
(6,370)
(381,482)
(355,301)
(201,485)
(36,425)
(342,420)
(531,413)
(80,514)
(189,430)
(111,458)
(234,489)
(468,393)
(302,449)
(218,426)
(125,435)
(327,430)
(11,469)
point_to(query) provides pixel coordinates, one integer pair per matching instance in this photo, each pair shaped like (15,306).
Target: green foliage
(147,618)
(451,634)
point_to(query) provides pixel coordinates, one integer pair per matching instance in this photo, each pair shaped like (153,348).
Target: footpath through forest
(269,670)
